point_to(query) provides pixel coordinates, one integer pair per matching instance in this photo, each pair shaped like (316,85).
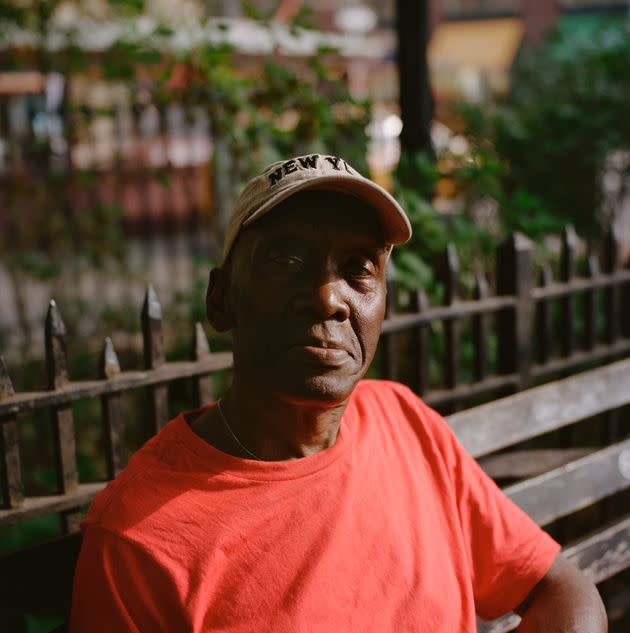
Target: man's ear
(217,309)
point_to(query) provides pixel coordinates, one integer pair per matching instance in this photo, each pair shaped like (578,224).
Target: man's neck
(269,428)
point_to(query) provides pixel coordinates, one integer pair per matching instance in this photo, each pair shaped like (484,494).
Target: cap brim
(396,226)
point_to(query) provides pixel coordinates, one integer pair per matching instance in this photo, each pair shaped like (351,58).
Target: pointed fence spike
(110,365)
(452,257)
(611,250)
(421,300)
(55,341)
(203,385)
(514,277)
(546,275)
(450,270)
(567,257)
(592,265)
(569,236)
(590,305)
(152,330)
(481,286)
(54,322)
(419,353)
(202,348)
(6,386)
(391,301)
(152,308)
(11,485)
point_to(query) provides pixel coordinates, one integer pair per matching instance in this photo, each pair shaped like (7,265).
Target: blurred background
(128,126)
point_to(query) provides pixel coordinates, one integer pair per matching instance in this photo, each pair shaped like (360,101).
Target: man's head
(303,284)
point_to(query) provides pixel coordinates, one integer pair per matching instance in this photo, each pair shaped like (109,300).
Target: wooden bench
(40,578)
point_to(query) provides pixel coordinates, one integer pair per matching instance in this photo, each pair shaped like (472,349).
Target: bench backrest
(573,485)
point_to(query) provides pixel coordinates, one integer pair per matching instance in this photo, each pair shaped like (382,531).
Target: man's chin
(325,388)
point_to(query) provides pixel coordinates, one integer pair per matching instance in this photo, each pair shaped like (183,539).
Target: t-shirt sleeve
(508,552)
(119,587)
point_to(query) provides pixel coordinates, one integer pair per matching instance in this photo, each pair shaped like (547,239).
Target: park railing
(534,327)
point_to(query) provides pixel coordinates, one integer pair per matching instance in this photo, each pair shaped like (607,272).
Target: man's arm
(564,601)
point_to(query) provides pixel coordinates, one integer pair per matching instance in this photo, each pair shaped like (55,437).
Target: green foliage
(416,261)
(258,113)
(541,153)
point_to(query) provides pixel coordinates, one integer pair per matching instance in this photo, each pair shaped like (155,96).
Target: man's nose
(326,298)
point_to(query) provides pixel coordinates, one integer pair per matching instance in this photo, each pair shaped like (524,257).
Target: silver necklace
(229,428)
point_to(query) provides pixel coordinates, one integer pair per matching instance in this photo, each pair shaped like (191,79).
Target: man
(307,499)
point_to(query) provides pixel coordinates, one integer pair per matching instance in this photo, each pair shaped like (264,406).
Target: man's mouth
(321,351)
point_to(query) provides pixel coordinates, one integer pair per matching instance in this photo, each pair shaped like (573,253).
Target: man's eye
(287,260)
(360,267)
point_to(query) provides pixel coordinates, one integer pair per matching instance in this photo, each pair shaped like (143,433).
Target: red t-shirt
(395,528)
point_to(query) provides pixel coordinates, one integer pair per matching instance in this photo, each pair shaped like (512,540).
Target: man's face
(306,295)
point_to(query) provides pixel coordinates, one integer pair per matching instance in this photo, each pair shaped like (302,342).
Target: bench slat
(603,554)
(529,463)
(575,485)
(600,556)
(498,424)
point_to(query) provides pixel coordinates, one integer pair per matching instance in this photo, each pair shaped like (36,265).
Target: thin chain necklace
(229,428)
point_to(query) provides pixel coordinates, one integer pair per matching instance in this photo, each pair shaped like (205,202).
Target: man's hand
(564,601)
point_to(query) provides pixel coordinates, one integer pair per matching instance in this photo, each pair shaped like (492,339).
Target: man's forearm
(564,601)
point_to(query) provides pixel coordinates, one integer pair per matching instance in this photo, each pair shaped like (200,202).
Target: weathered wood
(112,414)
(79,390)
(62,419)
(202,384)
(449,273)
(459,310)
(605,553)
(34,507)
(419,353)
(543,317)
(612,293)
(567,271)
(387,344)
(10,466)
(499,424)
(529,463)
(480,332)
(514,327)
(574,486)
(154,356)
(590,306)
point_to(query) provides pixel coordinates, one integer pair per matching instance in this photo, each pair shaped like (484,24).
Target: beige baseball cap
(282,179)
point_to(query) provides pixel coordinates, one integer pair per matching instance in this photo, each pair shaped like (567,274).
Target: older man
(306,498)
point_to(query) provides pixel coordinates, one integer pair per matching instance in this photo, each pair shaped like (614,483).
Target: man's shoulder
(139,490)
